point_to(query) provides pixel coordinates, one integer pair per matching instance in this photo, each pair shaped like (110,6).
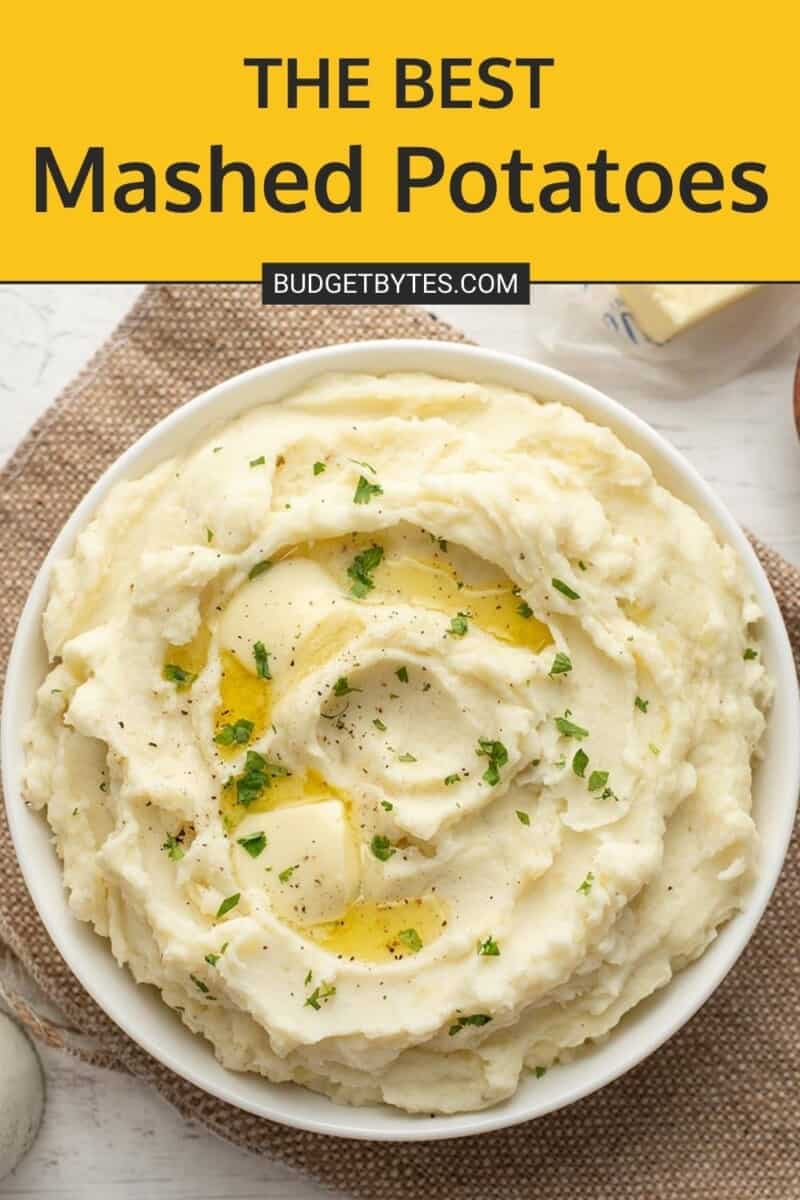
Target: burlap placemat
(714,1113)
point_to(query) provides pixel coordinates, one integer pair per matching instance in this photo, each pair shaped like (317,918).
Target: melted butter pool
(371,932)
(243,695)
(306,787)
(497,608)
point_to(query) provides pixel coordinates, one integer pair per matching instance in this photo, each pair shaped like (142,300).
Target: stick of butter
(663,309)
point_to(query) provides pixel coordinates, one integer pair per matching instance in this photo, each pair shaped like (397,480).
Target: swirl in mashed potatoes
(400,734)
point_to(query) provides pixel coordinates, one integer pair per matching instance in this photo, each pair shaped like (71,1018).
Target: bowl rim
(453,360)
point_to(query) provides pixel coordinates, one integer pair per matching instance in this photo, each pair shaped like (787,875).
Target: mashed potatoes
(401,735)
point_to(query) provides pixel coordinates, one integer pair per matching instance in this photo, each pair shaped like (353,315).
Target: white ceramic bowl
(140,1011)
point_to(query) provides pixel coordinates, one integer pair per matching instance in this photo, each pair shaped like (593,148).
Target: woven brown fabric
(714,1113)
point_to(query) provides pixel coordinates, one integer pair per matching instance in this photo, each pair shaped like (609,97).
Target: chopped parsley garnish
(319,467)
(411,939)
(212,959)
(387,805)
(562,663)
(286,874)
(209,535)
(402,674)
(569,728)
(641,704)
(586,886)
(378,723)
(523,817)
(307,979)
(580,762)
(180,677)
(654,749)
(497,755)
(524,609)
(750,653)
(261,655)
(361,568)
(254,843)
(252,781)
(449,780)
(237,734)
(459,625)
(342,687)
(227,904)
(539,1072)
(173,848)
(565,589)
(489,948)
(597,780)
(258,774)
(382,848)
(320,995)
(366,490)
(259,568)
(581,564)
(198,983)
(258,462)
(475,1019)
(406,757)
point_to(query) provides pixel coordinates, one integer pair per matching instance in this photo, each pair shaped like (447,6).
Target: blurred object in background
(21,1094)
(590,331)
(663,310)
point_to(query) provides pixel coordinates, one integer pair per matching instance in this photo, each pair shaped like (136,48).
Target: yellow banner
(191,141)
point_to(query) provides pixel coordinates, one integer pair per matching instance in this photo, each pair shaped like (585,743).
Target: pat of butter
(663,309)
(309,866)
(280,608)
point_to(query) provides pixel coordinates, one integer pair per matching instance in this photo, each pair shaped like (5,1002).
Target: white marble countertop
(105,1136)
